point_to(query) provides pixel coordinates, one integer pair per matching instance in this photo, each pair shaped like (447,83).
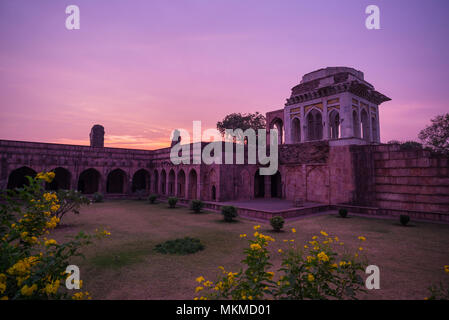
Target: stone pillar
(97,136)
(325,115)
(345,114)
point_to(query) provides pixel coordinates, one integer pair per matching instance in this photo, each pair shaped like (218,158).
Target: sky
(141,68)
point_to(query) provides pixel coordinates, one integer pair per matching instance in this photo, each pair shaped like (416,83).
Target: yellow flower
(280,251)
(255,246)
(360,248)
(314,237)
(28,291)
(256,227)
(310,277)
(200,279)
(362,238)
(50,242)
(243,235)
(207,283)
(342,263)
(81,296)
(446,269)
(293,230)
(52,288)
(309,259)
(322,256)
(23,234)
(306,246)
(324,233)
(198,289)
(270,275)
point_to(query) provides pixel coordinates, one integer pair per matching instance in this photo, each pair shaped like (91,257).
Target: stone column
(267,184)
(345,114)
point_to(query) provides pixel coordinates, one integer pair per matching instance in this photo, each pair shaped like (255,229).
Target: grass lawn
(125,266)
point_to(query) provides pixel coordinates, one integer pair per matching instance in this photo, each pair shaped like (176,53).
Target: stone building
(329,156)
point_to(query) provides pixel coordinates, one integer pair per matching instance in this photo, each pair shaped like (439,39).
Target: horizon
(142,69)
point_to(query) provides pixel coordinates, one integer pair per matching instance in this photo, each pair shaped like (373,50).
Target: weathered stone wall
(414,181)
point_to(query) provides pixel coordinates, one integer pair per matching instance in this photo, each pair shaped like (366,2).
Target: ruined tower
(97,136)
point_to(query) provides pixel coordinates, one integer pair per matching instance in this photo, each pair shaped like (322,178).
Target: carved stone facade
(338,167)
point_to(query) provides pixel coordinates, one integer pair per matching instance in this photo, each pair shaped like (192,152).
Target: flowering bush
(33,266)
(440,291)
(316,270)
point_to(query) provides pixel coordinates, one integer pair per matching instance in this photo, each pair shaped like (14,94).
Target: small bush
(404,219)
(196,205)
(183,246)
(172,202)
(343,213)
(229,213)
(152,198)
(97,197)
(140,194)
(410,145)
(277,223)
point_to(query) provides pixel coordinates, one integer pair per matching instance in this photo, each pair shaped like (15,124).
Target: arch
(61,180)
(17,178)
(244,187)
(214,193)
(193,179)
(156,181)
(374,129)
(259,185)
(296,130)
(314,125)
(279,124)
(171,182)
(89,181)
(141,180)
(365,125)
(181,184)
(163,181)
(334,125)
(355,124)
(115,182)
(276,185)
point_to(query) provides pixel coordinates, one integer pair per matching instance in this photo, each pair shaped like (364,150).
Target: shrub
(183,246)
(229,213)
(152,198)
(343,213)
(404,219)
(140,194)
(32,266)
(440,291)
(277,223)
(69,201)
(172,202)
(316,270)
(97,197)
(410,145)
(196,205)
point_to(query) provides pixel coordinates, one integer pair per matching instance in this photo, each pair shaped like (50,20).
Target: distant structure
(330,156)
(97,136)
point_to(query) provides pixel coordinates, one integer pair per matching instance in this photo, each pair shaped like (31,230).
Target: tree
(436,135)
(242,121)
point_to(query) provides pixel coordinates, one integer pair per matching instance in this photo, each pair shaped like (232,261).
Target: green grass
(125,265)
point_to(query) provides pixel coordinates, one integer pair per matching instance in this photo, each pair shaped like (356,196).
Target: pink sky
(142,68)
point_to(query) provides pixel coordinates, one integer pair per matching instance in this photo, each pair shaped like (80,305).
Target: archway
(89,181)
(355,124)
(314,125)
(214,193)
(17,178)
(156,182)
(259,185)
(279,125)
(365,125)
(193,179)
(61,180)
(171,182)
(141,180)
(334,125)
(116,181)
(296,131)
(181,184)
(374,129)
(163,181)
(276,185)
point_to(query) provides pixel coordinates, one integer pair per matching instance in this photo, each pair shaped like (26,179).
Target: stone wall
(415,181)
